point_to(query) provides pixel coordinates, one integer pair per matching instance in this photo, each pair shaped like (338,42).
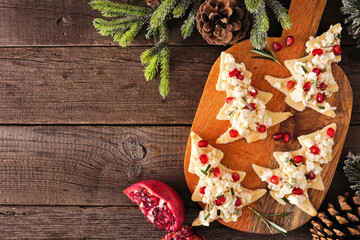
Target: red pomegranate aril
(203,143)
(298,159)
(274,180)
(253,92)
(240,76)
(307,86)
(235,176)
(253,106)
(317,71)
(290,84)
(262,128)
(216,172)
(331,132)
(220,201)
(277,46)
(290,40)
(311,175)
(320,98)
(317,52)
(323,86)
(278,136)
(315,150)
(202,190)
(337,50)
(204,158)
(234,72)
(238,202)
(233,133)
(297,191)
(286,137)
(229,99)
(186,233)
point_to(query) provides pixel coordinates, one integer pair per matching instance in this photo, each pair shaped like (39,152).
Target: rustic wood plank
(106,85)
(69,22)
(105,223)
(85,165)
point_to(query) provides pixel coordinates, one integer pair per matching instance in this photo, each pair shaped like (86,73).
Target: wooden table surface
(79,123)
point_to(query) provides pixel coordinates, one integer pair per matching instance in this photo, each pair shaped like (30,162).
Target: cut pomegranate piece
(220,201)
(337,50)
(186,233)
(216,172)
(277,46)
(286,137)
(229,99)
(306,87)
(297,191)
(290,84)
(253,92)
(320,98)
(298,159)
(202,190)
(331,132)
(234,72)
(203,158)
(274,180)
(278,136)
(262,128)
(161,204)
(317,52)
(233,133)
(315,150)
(311,175)
(323,86)
(290,40)
(317,71)
(235,176)
(238,202)
(203,143)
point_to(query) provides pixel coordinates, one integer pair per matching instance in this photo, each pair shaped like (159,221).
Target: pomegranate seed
(320,98)
(307,86)
(204,158)
(290,84)
(262,128)
(323,86)
(274,180)
(203,143)
(253,92)
(202,190)
(277,46)
(235,176)
(317,52)
(286,137)
(331,132)
(220,201)
(290,40)
(317,71)
(314,150)
(240,76)
(233,133)
(238,202)
(297,191)
(216,172)
(278,136)
(253,106)
(311,175)
(298,159)
(337,50)
(234,72)
(229,99)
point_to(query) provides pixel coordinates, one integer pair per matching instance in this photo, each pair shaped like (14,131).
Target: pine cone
(222,22)
(340,221)
(152,3)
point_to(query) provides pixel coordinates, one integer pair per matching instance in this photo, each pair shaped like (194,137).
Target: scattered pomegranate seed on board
(277,46)
(290,40)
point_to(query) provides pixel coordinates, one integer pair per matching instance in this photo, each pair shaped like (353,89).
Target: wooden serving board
(306,15)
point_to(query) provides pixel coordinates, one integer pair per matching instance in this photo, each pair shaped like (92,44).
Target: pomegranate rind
(195,234)
(166,193)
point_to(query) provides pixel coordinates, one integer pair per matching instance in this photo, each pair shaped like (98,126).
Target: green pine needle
(253,5)
(164,72)
(258,34)
(189,24)
(352,170)
(128,36)
(281,13)
(162,12)
(107,28)
(352,8)
(152,68)
(180,9)
(111,9)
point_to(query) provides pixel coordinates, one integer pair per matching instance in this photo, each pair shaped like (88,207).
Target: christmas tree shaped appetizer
(244,106)
(312,80)
(218,187)
(300,170)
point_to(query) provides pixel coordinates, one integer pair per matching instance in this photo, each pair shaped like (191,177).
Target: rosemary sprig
(285,199)
(265,54)
(230,113)
(304,69)
(293,163)
(247,104)
(268,222)
(321,107)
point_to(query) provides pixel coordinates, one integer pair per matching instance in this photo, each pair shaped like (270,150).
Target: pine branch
(148,54)
(253,5)
(352,170)
(111,9)
(152,68)
(180,9)
(162,12)
(352,8)
(128,36)
(164,72)
(281,13)
(106,27)
(258,35)
(189,24)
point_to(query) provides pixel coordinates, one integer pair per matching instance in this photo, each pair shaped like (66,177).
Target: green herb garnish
(268,222)
(232,192)
(285,199)
(289,185)
(211,170)
(321,107)
(330,46)
(230,113)
(304,69)
(205,173)
(265,54)
(293,163)
(207,216)
(207,168)
(323,70)
(247,104)
(220,196)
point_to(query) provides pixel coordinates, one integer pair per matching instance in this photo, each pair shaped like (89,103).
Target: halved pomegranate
(186,233)
(161,204)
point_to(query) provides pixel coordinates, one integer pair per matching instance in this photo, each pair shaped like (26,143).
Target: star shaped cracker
(311,81)
(219,188)
(300,170)
(244,106)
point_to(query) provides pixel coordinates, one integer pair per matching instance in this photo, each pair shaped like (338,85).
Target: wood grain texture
(240,155)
